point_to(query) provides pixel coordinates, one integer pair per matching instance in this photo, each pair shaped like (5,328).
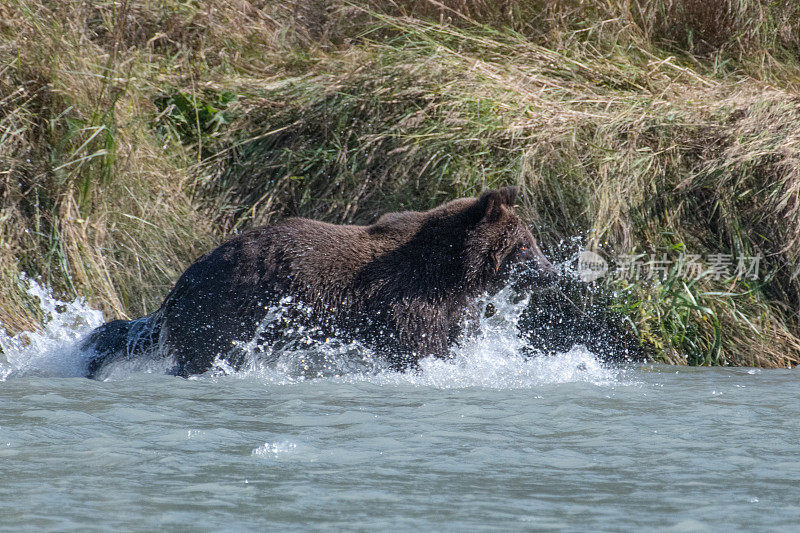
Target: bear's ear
(509,195)
(490,204)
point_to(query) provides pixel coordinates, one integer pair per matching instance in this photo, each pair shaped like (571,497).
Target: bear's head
(501,246)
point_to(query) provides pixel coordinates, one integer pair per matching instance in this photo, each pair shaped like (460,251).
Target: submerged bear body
(403,285)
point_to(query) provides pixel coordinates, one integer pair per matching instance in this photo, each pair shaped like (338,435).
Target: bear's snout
(544,275)
(536,272)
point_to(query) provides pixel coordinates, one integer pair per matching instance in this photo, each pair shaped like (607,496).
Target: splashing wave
(494,357)
(53,351)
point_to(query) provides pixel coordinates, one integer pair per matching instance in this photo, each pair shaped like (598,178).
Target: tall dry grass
(135,134)
(92,200)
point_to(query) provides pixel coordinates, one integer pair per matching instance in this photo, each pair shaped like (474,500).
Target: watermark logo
(658,267)
(591,266)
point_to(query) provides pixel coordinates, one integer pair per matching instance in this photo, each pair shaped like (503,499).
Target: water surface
(488,440)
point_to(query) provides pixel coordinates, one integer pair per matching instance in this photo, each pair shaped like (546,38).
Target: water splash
(497,357)
(273,449)
(285,348)
(54,350)
(493,356)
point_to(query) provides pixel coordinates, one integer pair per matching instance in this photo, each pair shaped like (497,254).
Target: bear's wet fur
(402,286)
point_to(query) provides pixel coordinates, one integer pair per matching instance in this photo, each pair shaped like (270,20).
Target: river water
(488,440)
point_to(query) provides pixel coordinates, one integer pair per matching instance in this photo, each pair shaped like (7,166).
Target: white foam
(120,368)
(273,449)
(493,357)
(54,350)
(484,369)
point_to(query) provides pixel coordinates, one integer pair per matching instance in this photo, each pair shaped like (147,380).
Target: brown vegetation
(134,135)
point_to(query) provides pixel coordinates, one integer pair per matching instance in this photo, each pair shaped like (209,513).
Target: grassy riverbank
(135,135)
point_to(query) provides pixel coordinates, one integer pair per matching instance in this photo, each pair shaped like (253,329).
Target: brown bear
(402,286)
